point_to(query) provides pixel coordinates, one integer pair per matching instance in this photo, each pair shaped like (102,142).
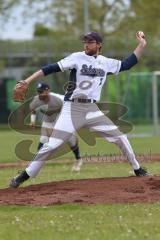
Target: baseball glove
(20,91)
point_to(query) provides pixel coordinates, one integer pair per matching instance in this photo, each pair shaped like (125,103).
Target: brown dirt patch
(89,191)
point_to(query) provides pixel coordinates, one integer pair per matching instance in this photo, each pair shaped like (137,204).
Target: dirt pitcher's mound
(88,191)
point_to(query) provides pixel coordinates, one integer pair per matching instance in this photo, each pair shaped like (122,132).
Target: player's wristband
(33,118)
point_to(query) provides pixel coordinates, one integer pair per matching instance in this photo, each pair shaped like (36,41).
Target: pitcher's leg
(63,129)
(112,134)
(123,143)
(42,155)
(127,150)
(108,130)
(34,167)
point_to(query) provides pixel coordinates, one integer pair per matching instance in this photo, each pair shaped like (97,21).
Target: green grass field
(75,222)
(10,138)
(67,222)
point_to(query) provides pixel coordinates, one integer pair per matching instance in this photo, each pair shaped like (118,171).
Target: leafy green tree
(68,16)
(110,17)
(7,5)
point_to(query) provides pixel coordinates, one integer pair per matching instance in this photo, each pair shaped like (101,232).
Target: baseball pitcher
(88,72)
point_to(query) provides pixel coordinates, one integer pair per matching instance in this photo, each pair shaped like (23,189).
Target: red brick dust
(118,190)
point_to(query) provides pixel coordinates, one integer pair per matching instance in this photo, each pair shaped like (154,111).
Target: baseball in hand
(140,34)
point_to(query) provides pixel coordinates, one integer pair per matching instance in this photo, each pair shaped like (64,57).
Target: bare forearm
(139,50)
(142,43)
(34,76)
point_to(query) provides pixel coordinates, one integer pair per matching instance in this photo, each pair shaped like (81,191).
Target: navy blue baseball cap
(42,87)
(92,36)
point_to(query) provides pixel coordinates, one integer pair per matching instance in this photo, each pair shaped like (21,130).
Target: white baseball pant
(46,132)
(74,116)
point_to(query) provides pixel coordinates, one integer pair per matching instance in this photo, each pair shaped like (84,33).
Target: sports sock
(22,177)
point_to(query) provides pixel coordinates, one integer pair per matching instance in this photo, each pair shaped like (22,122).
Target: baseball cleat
(142,172)
(77,165)
(13,183)
(18,180)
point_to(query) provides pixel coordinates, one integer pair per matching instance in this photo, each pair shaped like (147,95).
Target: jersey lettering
(92,71)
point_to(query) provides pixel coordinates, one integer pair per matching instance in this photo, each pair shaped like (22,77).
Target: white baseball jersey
(49,110)
(88,74)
